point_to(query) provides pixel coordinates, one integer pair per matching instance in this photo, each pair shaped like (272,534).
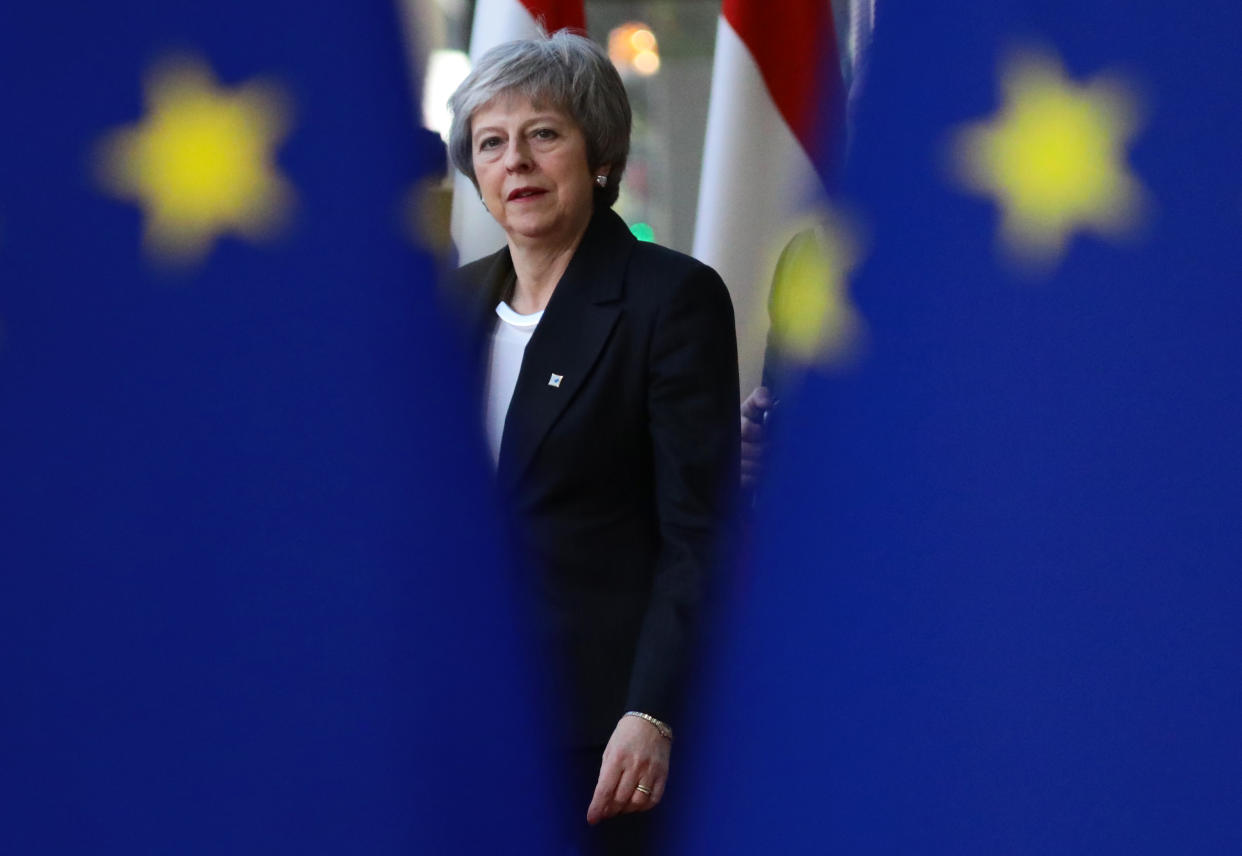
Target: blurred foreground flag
(996,601)
(772,124)
(250,601)
(475,231)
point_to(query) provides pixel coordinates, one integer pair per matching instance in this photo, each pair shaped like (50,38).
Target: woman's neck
(539,267)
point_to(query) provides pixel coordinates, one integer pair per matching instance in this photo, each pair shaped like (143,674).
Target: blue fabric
(250,597)
(994,607)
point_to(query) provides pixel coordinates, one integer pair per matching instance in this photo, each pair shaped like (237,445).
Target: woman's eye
(489,143)
(545,134)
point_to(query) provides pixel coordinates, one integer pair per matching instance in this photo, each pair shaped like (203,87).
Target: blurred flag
(854,35)
(240,611)
(771,128)
(996,602)
(475,232)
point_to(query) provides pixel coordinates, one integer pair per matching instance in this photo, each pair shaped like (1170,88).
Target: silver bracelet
(665,731)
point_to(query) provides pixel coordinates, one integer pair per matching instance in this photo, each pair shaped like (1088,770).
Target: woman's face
(532,170)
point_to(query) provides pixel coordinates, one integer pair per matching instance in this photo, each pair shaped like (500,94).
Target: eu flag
(995,605)
(251,601)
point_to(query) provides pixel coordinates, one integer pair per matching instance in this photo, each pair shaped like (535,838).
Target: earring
(601,180)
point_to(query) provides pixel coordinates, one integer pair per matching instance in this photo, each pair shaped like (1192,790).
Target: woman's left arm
(692,399)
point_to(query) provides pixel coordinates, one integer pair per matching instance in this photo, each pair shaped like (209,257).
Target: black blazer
(618,461)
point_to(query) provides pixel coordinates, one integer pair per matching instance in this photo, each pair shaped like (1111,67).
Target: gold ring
(646,790)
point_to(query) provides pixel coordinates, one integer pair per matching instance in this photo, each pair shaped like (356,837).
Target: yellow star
(814,319)
(200,163)
(1054,158)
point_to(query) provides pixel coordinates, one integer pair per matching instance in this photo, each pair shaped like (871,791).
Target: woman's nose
(517,156)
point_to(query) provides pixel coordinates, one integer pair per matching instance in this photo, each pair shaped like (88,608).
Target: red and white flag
(774,105)
(495,22)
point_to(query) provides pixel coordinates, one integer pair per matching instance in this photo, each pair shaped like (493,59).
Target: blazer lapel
(495,283)
(568,341)
(480,308)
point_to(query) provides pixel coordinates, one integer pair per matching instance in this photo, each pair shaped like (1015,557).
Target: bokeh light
(632,47)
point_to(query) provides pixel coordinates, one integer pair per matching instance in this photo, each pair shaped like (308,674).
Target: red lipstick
(524,193)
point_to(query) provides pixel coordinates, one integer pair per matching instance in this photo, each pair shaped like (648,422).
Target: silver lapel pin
(555,381)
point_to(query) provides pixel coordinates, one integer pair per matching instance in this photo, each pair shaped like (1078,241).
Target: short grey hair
(564,71)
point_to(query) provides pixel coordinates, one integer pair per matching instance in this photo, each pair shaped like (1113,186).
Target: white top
(509,339)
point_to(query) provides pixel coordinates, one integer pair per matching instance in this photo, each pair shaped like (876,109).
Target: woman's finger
(627,787)
(605,789)
(642,797)
(657,789)
(756,404)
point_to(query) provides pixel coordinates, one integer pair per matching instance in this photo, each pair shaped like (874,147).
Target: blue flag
(994,605)
(251,598)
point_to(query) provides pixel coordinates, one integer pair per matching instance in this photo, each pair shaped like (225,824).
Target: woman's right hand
(636,754)
(754,435)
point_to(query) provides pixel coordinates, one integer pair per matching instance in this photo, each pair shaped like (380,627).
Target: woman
(609,374)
